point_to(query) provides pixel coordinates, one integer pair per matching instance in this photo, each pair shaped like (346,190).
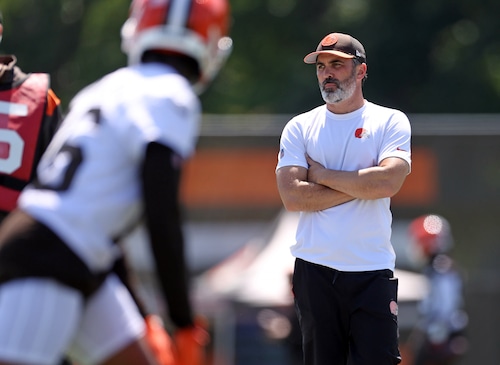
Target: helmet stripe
(178,14)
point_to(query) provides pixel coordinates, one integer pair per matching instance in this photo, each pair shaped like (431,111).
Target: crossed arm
(318,188)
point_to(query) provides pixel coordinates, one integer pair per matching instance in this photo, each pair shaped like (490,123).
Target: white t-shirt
(354,236)
(91,170)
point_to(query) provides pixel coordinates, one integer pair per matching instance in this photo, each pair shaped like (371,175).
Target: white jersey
(354,236)
(90,175)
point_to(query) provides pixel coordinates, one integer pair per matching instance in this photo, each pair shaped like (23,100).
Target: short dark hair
(185,65)
(357,62)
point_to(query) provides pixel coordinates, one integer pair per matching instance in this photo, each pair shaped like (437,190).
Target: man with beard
(339,165)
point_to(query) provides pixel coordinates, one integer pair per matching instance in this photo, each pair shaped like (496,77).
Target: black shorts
(30,249)
(346,317)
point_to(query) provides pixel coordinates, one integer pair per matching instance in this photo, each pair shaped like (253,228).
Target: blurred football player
(30,113)
(115,161)
(439,336)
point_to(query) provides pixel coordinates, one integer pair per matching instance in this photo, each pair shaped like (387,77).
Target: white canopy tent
(259,274)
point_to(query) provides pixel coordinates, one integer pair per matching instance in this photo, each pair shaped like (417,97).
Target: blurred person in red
(439,336)
(115,163)
(30,114)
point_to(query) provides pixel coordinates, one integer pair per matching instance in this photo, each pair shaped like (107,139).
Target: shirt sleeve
(397,139)
(160,177)
(292,146)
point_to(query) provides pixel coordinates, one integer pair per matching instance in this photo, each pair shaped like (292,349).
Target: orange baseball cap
(342,45)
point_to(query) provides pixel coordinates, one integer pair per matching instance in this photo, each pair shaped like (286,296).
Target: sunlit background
(437,60)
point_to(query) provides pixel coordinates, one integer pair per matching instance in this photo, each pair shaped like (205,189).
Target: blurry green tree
(76,41)
(425,56)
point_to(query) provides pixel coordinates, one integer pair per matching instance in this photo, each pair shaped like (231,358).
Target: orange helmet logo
(329,40)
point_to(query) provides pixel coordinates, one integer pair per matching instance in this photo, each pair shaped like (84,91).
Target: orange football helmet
(194,28)
(431,234)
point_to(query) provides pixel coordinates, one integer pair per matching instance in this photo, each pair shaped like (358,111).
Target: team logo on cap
(329,40)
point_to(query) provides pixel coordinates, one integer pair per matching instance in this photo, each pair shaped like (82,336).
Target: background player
(30,113)
(438,338)
(117,159)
